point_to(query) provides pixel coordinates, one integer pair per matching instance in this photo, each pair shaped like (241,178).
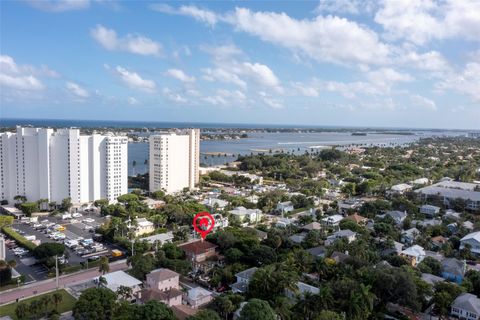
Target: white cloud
(222,52)
(386,77)
(260,73)
(423,102)
(466,82)
(133,43)
(422,21)
(134,80)
(329,38)
(345,6)
(305,90)
(18,77)
(180,75)
(59,5)
(133,101)
(222,75)
(202,15)
(428,61)
(173,96)
(77,90)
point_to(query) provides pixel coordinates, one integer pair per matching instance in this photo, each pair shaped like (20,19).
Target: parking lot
(77,233)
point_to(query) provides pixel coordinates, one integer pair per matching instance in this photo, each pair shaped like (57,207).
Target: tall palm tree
(57,299)
(101,281)
(104,267)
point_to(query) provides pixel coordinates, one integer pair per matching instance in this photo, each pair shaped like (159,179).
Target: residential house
(414,254)
(120,278)
(451,214)
(449,191)
(453,269)
(143,226)
(466,306)
(472,239)
(197,297)
(160,238)
(220,221)
(429,210)
(247,215)
(409,236)
(438,241)
(358,219)
(243,279)
(183,312)
(347,234)
(213,203)
(283,222)
(317,252)
(400,188)
(339,257)
(420,182)
(298,238)
(285,207)
(162,285)
(153,204)
(312,226)
(348,205)
(302,290)
(397,216)
(333,220)
(468,225)
(198,251)
(431,279)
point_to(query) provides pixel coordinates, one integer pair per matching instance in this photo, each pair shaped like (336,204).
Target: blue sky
(350,63)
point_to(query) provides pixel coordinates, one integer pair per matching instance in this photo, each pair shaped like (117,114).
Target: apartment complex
(43,163)
(174,160)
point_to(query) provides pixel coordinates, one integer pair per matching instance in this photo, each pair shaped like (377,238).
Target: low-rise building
(333,220)
(347,205)
(317,252)
(243,279)
(397,216)
(220,221)
(143,226)
(160,238)
(198,251)
(312,226)
(358,219)
(449,191)
(197,297)
(409,236)
(162,285)
(115,280)
(429,210)
(214,203)
(473,241)
(466,306)
(285,207)
(400,188)
(414,254)
(347,234)
(247,215)
(302,290)
(453,269)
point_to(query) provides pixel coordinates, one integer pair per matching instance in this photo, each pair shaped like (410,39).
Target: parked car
(77,215)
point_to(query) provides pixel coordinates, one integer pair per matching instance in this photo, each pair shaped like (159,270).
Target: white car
(77,215)
(88,220)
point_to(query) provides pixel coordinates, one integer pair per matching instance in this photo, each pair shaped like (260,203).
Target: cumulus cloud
(423,21)
(180,75)
(222,75)
(203,15)
(423,102)
(345,6)
(20,77)
(77,90)
(134,80)
(466,82)
(133,43)
(224,97)
(386,77)
(428,61)
(174,96)
(133,101)
(59,5)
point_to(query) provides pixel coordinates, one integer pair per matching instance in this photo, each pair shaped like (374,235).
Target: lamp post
(56,270)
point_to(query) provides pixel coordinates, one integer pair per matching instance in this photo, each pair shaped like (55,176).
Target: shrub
(21,241)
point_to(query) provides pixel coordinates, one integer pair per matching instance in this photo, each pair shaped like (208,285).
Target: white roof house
(415,254)
(198,296)
(120,278)
(473,239)
(401,188)
(161,237)
(333,220)
(253,215)
(466,306)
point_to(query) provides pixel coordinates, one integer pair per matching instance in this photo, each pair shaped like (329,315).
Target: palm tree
(57,298)
(125,293)
(101,281)
(45,302)
(22,311)
(104,267)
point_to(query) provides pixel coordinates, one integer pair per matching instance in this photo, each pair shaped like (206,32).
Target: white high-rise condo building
(174,160)
(41,163)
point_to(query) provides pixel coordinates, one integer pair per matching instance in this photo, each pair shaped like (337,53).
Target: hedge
(27,244)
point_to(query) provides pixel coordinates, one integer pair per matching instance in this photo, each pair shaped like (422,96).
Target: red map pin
(203,223)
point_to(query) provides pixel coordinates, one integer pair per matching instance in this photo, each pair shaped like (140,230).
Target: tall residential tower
(174,160)
(42,163)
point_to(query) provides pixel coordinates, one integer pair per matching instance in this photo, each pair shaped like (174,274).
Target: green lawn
(66,305)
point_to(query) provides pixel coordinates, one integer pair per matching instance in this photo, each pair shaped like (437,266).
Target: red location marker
(203,223)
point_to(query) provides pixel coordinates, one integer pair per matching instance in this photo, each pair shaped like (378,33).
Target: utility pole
(56,269)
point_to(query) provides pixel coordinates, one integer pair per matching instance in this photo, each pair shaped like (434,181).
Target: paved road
(50,284)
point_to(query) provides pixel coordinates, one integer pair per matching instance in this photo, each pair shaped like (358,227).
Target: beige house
(162,285)
(143,227)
